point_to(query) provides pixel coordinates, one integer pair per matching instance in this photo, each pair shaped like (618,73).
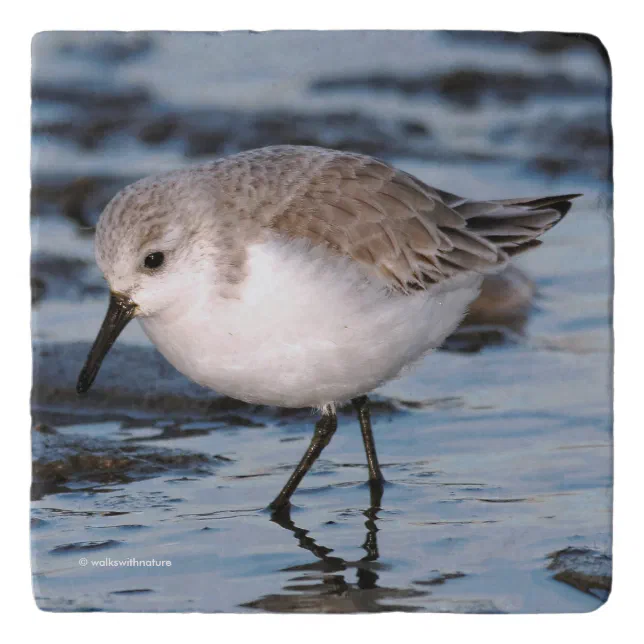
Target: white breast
(308,329)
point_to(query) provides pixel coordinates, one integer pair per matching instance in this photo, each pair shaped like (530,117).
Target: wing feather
(410,234)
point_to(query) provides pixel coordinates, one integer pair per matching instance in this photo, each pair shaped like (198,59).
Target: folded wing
(408,233)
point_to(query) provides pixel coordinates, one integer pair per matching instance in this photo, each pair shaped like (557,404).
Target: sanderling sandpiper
(300,276)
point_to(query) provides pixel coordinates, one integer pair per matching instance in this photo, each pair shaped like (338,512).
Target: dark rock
(440,579)
(545,42)
(63,277)
(158,130)
(584,568)
(465,87)
(80,199)
(414,128)
(552,167)
(205,143)
(90,94)
(107,47)
(562,146)
(87,131)
(468,87)
(38,289)
(56,266)
(59,461)
(226,132)
(82,546)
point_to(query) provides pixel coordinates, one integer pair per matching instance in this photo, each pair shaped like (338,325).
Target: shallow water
(493,458)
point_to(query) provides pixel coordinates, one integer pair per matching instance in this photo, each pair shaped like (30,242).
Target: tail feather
(514,224)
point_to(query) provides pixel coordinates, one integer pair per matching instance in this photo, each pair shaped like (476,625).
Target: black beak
(120,311)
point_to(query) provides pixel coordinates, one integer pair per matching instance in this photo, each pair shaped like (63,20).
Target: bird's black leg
(324,430)
(376,479)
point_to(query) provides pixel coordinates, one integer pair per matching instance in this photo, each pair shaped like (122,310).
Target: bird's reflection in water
(323,586)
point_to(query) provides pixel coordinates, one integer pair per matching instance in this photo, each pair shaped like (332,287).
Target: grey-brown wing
(408,233)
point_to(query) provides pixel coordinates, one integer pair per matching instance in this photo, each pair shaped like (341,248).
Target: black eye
(154,260)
